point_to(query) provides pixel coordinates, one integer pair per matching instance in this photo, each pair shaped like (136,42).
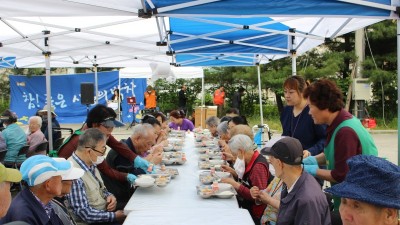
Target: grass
(273,123)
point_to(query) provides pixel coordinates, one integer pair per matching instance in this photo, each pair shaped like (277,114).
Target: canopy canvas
(146,72)
(357,12)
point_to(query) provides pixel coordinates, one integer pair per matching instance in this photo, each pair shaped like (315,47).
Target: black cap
(289,150)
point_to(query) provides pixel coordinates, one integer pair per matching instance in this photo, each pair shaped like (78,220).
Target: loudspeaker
(87,93)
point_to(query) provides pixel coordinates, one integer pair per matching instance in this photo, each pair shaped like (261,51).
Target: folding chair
(41,149)
(22,151)
(58,143)
(2,155)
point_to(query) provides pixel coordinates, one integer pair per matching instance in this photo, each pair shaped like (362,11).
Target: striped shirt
(48,207)
(79,202)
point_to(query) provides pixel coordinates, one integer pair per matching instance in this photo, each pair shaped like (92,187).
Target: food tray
(204,150)
(173,154)
(206,191)
(156,179)
(158,175)
(208,144)
(205,165)
(211,155)
(205,177)
(170,171)
(173,161)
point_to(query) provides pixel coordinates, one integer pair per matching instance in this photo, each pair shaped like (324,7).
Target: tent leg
(260,95)
(294,67)
(398,91)
(202,101)
(96,83)
(48,91)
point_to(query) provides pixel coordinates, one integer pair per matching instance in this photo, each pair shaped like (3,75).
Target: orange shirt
(151,99)
(219,97)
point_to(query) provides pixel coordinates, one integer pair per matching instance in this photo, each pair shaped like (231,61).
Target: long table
(179,199)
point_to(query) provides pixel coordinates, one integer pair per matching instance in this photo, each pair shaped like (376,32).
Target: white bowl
(217,162)
(225,194)
(168,148)
(224,187)
(145,181)
(223,174)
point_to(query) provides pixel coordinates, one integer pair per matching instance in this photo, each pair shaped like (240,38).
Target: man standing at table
(89,199)
(219,100)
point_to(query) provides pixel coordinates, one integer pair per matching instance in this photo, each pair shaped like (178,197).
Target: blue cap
(372,180)
(112,122)
(39,168)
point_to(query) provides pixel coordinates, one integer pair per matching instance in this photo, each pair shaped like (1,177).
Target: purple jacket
(186,125)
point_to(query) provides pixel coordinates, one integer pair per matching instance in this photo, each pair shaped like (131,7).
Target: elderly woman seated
(223,132)
(212,124)
(251,169)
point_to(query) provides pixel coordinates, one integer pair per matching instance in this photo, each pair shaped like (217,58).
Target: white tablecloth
(181,191)
(190,217)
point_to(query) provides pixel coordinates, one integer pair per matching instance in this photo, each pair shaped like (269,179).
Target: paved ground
(386,141)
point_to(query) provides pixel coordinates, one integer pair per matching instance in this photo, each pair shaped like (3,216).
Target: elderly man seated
(370,193)
(35,136)
(302,201)
(140,142)
(32,205)
(251,169)
(89,199)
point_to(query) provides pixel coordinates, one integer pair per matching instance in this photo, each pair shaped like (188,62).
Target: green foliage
(167,93)
(4,105)
(270,111)
(381,69)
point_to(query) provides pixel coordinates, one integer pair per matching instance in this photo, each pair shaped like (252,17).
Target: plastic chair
(41,148)
(2,155)
(22,151)
(58,143)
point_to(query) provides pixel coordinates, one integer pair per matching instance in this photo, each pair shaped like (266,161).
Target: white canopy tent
(116,40)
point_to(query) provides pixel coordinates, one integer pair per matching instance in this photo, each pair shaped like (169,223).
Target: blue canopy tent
(7,62)
(349,10)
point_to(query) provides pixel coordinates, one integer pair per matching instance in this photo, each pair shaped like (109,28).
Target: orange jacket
(219,97)
(150,99)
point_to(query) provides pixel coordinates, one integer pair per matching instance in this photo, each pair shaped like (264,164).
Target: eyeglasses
(102,153)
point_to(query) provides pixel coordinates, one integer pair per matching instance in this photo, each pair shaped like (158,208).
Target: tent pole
(259,95)
(48,91)
(119,99)
(398,91)
(294,68)
(202,101)
(95,80)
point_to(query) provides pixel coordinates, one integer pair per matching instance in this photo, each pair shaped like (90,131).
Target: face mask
(239,167)
(99,160)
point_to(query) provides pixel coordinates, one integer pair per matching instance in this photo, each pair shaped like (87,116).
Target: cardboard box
(211,111)
(200,117)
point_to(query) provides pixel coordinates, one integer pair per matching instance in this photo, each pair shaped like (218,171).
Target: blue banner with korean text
(28,95)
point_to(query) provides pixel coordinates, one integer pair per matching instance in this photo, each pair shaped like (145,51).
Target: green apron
(367,144)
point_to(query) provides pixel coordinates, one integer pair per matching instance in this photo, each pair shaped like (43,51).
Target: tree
(167,93)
